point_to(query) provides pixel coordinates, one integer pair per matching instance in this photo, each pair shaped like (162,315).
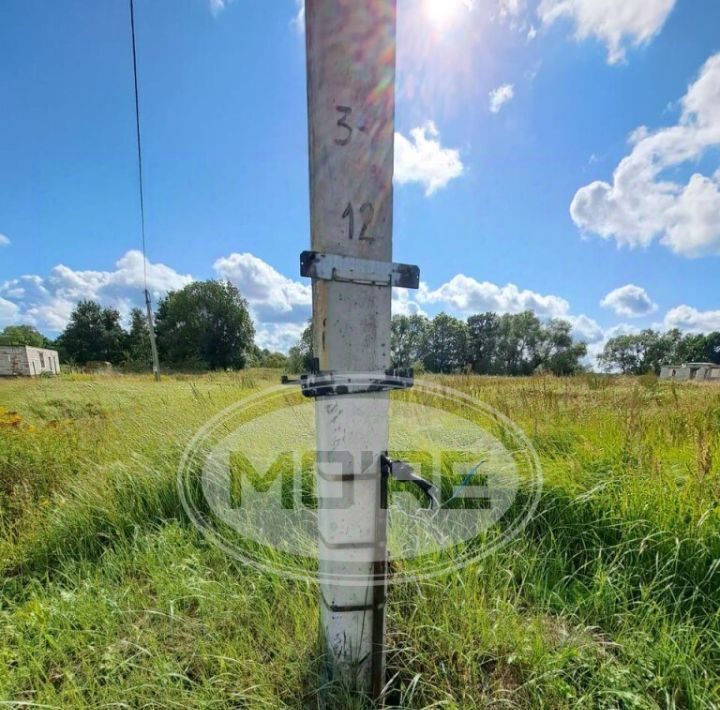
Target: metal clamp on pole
(347,269)
(332,384)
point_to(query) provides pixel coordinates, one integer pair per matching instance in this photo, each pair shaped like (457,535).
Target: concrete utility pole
(351,104)
(151,332)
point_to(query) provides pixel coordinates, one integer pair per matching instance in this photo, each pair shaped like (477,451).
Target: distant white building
(26,361)
(698,371)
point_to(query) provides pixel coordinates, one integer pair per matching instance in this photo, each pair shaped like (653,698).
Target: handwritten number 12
(368,213)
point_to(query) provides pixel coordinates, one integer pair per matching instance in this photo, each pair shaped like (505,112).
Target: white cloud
(47,302)
(128,276)
(54,313)
(279,305)
(621,329)
(404,305)
(511,13)
(616,23)
(272,296)
(692,320)
(424,160)
(629,301)
(298,22)
(585,328)
(217,6)
(500,96)
(466,295)
(643,204)
(8,312)
(278,337)
(4,241)
(510,8)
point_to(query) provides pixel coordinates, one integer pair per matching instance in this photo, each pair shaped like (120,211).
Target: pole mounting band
(348,269)
(333,384)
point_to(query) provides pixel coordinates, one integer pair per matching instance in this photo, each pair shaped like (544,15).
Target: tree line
(24,335)
(206,325)
(649,350)
(487,344)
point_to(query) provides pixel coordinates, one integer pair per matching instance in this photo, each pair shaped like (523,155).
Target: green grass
(609,599)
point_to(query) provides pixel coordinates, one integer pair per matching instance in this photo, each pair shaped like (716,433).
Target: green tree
(636,354)
(408,337)
(114,336)
(621,353)
(511,344)
(300,357)
(658,349)
(519,344)
(23,335)
(266,358)
(137,341)
(529,337)
(508,346)
(712,347)
(690,348)
(483,332)
(649,350)
(206,324)
(445,346)
(93,334)
(699,348)
(561,354)
(274,360)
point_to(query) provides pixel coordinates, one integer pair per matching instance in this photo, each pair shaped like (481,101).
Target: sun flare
(442,13)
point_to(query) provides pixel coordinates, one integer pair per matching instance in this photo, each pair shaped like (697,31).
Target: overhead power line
(151,327)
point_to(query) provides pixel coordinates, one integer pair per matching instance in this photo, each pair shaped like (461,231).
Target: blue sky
(524,176)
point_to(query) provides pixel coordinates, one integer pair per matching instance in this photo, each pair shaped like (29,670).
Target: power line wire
(139,144)
(148,305)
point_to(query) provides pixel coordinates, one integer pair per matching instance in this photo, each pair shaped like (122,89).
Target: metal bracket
(331,384)
(402,471)
(346,269)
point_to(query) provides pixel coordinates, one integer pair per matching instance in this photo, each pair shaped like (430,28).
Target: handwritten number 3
(342,123)
(368,213)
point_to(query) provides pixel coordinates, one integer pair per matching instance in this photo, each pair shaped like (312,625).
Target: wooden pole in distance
(153,343)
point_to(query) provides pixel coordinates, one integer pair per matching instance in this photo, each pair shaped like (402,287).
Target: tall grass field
(609,598)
